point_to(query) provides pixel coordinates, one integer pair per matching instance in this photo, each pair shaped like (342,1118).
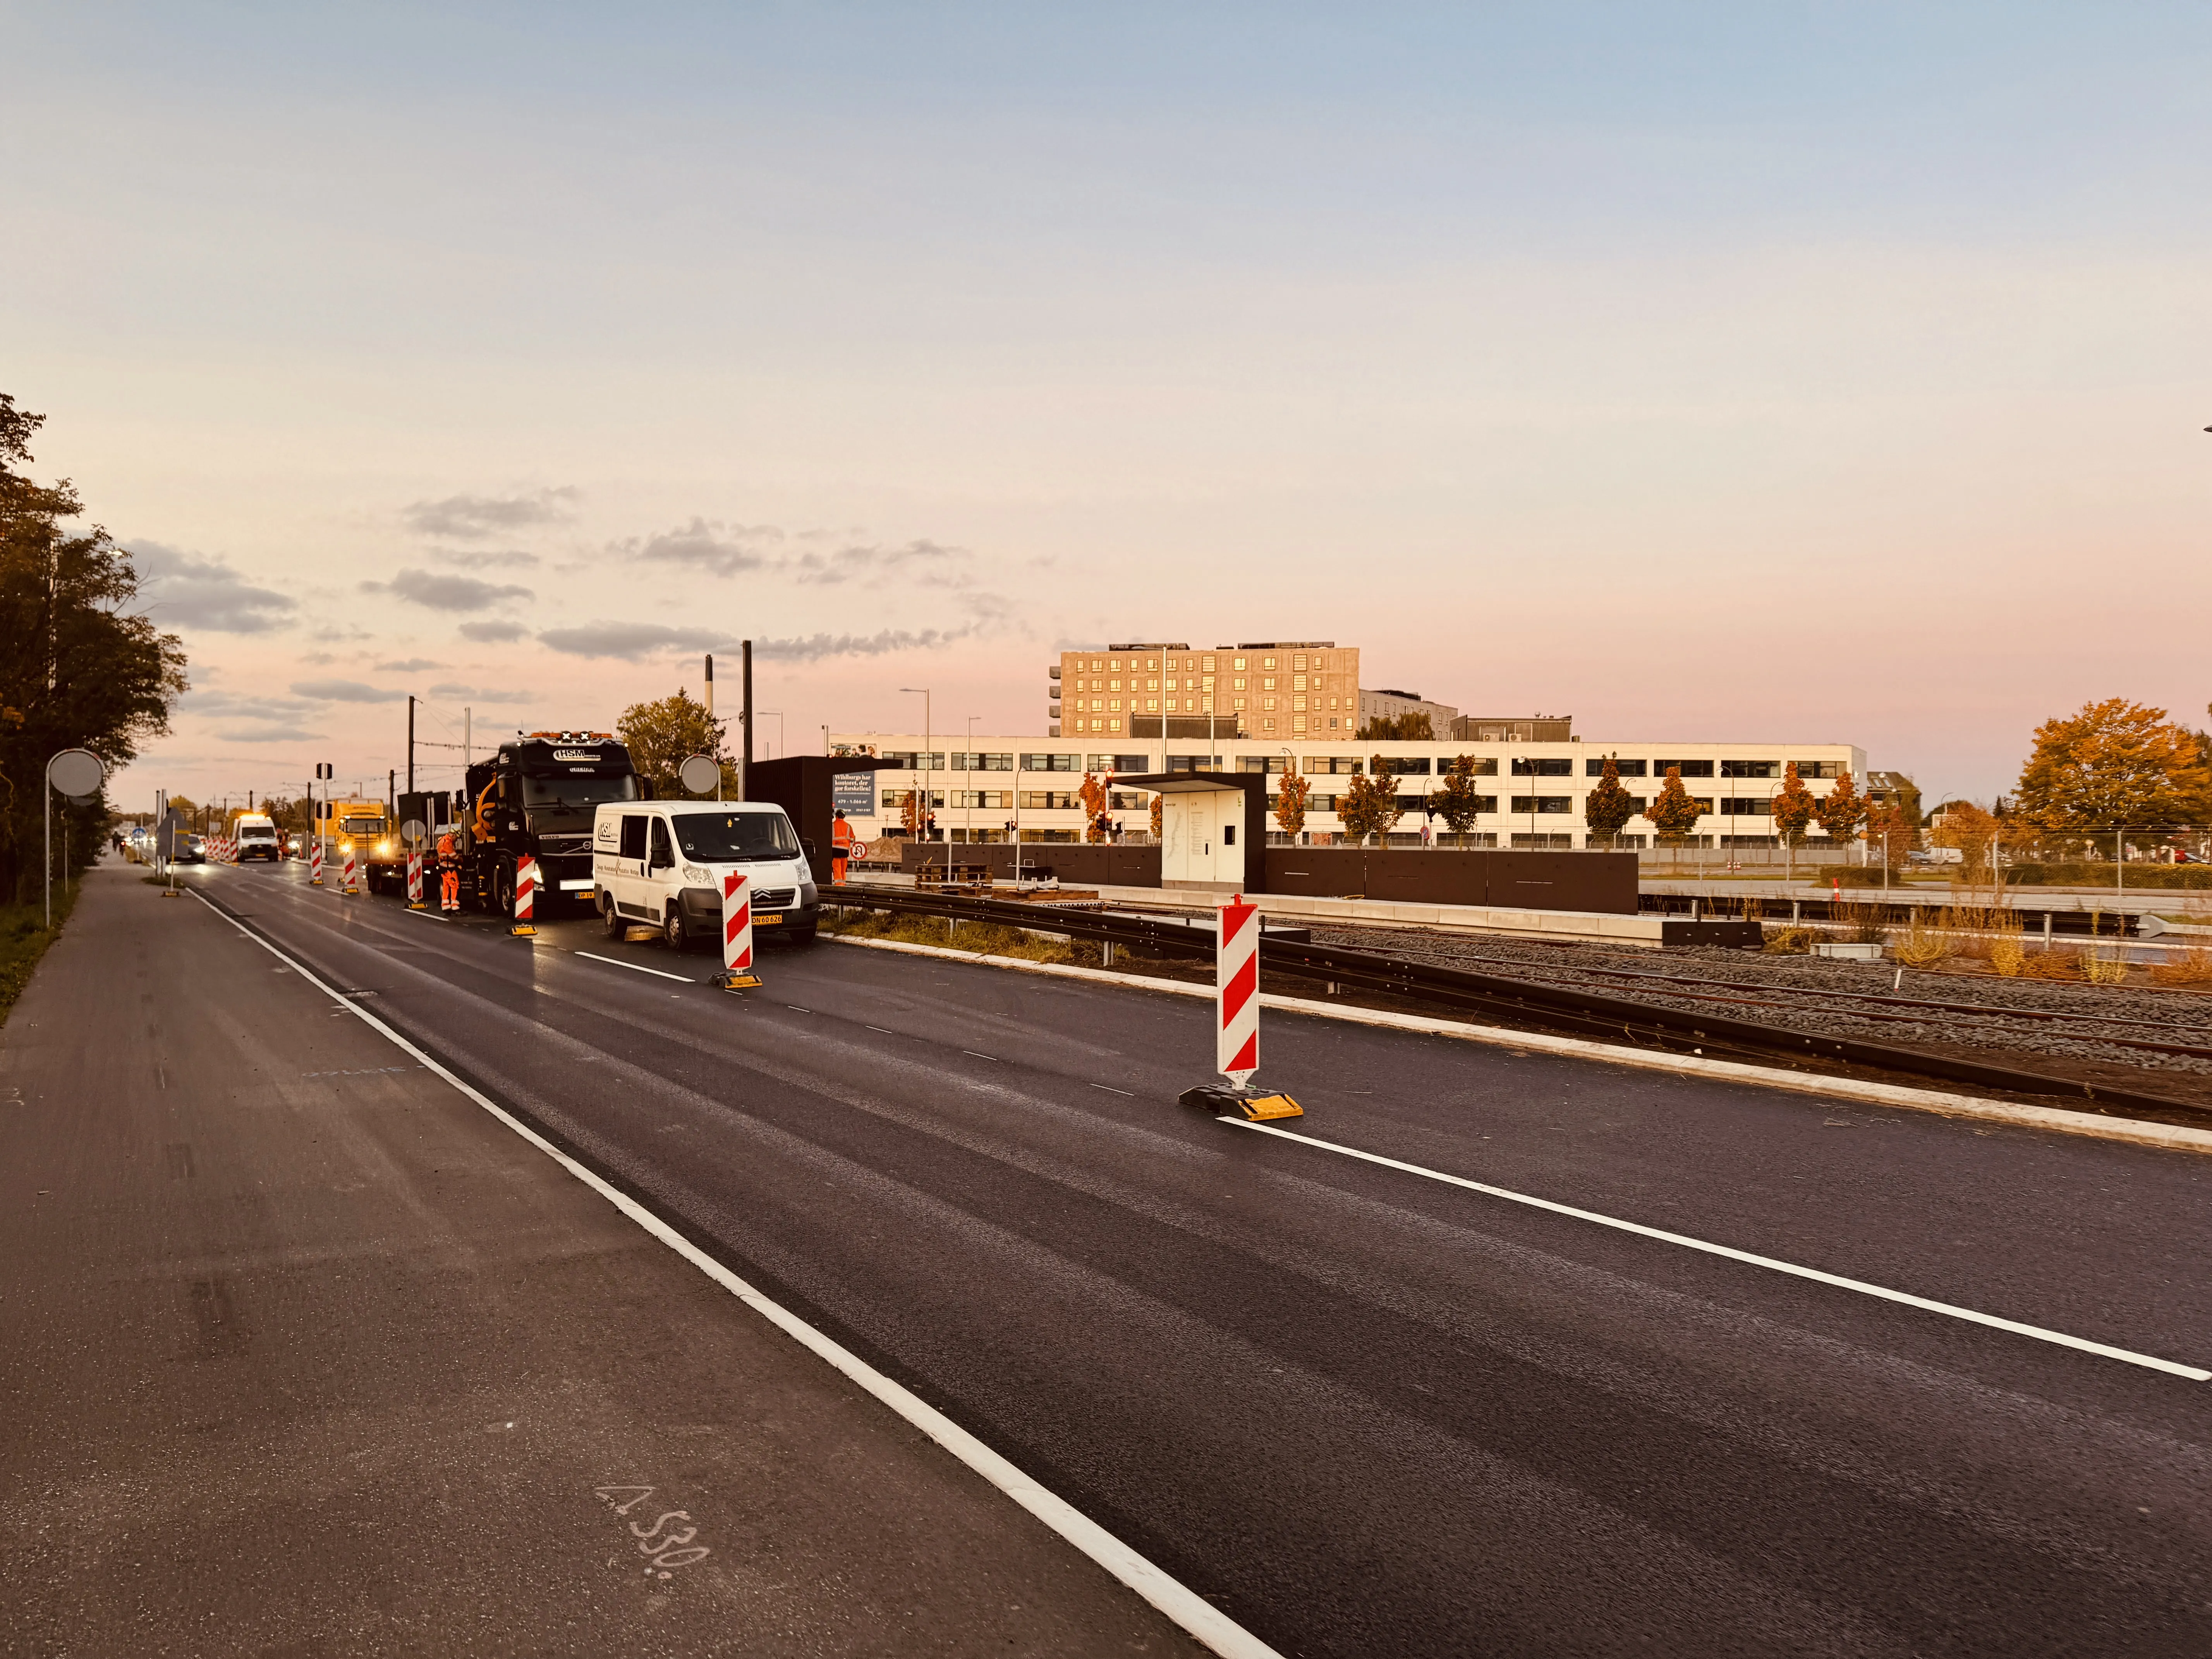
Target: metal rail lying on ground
(1560,1007)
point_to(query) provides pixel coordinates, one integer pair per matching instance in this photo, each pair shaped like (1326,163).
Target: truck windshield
(577,792)
(729,837)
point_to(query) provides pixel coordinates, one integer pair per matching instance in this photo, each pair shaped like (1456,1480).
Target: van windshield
(732,837)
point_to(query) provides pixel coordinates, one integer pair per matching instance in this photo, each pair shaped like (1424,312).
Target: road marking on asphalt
(1125,1093)
(1175,1599)
(886,1029)
(2193,1373)
(635,967)
(978,1056)
(428,916)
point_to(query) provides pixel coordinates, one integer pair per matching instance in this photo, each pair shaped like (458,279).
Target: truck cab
(537,796)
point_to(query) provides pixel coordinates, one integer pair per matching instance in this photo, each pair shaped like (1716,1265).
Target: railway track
(1548,1001)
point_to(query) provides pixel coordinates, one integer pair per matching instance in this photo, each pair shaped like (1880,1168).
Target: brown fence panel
(1528,881)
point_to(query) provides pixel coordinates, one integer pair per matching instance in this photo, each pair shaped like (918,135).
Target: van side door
(629,867)
(661,882)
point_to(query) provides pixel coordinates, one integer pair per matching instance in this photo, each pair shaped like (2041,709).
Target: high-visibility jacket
(447,858)
(841,834)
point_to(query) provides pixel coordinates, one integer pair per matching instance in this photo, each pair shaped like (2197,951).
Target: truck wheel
(503,890)
(673,930)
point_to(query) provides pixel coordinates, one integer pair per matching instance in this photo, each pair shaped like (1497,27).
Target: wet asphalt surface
(1365,1412)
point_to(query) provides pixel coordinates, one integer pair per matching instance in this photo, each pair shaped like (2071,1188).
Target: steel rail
(1595,1013)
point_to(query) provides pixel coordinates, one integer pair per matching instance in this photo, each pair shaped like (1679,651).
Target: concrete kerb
(2172,1137)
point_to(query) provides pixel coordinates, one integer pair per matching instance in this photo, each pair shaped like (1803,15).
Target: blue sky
(1818,373)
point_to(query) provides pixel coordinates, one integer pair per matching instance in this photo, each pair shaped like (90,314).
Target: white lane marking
(886,1029)
(636,967)
(426,916)
(1114,1091)
(1176,1600)
(980,1056)
(2193,1373)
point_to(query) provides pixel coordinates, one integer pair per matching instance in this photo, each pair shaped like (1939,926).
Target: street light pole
(922,808)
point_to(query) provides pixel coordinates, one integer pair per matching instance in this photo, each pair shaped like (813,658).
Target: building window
(1114,727)
(1627,768)
(1298,662)
(1689,769)
(1745,808)
(1298,703)
(1151,705)
(1237,703)
(1752,769)
(1267,725)
(1543,767)
(1543,804)
(1239,664)
(1332,720)
(1817,769)
(1298,722)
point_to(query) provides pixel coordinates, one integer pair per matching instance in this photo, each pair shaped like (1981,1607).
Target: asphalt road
(301,1352)
(1367,1412)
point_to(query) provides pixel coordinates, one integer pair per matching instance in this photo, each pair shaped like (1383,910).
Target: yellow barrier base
(738,982)
(522,930)
(1230,1102)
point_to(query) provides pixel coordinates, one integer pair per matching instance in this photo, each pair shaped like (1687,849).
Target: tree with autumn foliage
(1842,810)
(1459,802)
(1291,803)
(1675,813)
(1894,830)
(1793,807)
(1092,794)
(2111,764)
(1371,806)
(1608,808)
(662,735)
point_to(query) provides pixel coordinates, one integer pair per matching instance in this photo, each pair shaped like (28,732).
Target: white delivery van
(257,837)
(660,863)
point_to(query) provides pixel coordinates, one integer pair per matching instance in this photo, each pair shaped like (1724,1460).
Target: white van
(660,863)
(257,837)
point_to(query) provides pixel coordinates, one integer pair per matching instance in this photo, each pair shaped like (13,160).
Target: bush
(1922,946)
(1789,941)
(2192,966)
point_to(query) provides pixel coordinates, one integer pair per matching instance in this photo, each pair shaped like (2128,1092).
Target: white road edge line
(2193,1373)
(2172,1137)
(1181,1604)
(635,967)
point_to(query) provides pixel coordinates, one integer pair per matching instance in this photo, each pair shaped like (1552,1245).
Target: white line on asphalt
(886,1029)
(971,1051)
(637,968)
(2191,1372)
(426,916)
(1175,1599)
(1114,1091)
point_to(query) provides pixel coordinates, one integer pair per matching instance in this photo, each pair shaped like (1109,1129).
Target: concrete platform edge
(2170,1136)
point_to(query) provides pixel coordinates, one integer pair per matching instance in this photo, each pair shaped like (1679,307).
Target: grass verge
(24,936)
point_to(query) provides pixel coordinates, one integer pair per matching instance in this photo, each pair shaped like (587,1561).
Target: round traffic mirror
(413,830)
(77,773)
(699,775)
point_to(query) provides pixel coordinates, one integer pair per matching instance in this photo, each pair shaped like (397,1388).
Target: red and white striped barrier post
(351,869)
(315,864)
(526,896)
(1236,1020)
(737,972)
(415,879)
(1236,991)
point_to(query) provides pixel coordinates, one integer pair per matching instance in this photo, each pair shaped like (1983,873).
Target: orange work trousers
(449,890)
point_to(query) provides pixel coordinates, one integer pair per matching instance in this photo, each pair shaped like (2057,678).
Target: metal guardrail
(1641,1025)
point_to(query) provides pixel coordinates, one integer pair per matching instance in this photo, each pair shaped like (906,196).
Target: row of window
(1202,662)
(1545,766)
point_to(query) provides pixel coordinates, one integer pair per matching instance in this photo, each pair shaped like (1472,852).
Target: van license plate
(768,922)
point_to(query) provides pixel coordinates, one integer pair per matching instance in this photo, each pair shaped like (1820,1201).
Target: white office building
(1027,786)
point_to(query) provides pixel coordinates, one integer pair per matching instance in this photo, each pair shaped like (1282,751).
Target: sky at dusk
(1820,374)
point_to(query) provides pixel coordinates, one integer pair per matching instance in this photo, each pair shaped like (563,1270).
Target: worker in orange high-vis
(449,873)
(841,847)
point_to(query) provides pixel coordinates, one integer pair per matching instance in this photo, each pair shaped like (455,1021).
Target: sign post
(78,773)
(737,972)
(1236,1021)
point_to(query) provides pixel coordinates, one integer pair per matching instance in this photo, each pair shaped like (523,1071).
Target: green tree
(1459,802)
(1412,726)
(2114,763)
(1675,813)
(1608,807)
(1842,810)
(78,668)
(1371,806)
(661,735)
(1291,803)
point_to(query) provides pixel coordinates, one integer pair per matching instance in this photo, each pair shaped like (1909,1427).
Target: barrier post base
(416,905)
(522,930)
(738,982)
(1224,1102)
